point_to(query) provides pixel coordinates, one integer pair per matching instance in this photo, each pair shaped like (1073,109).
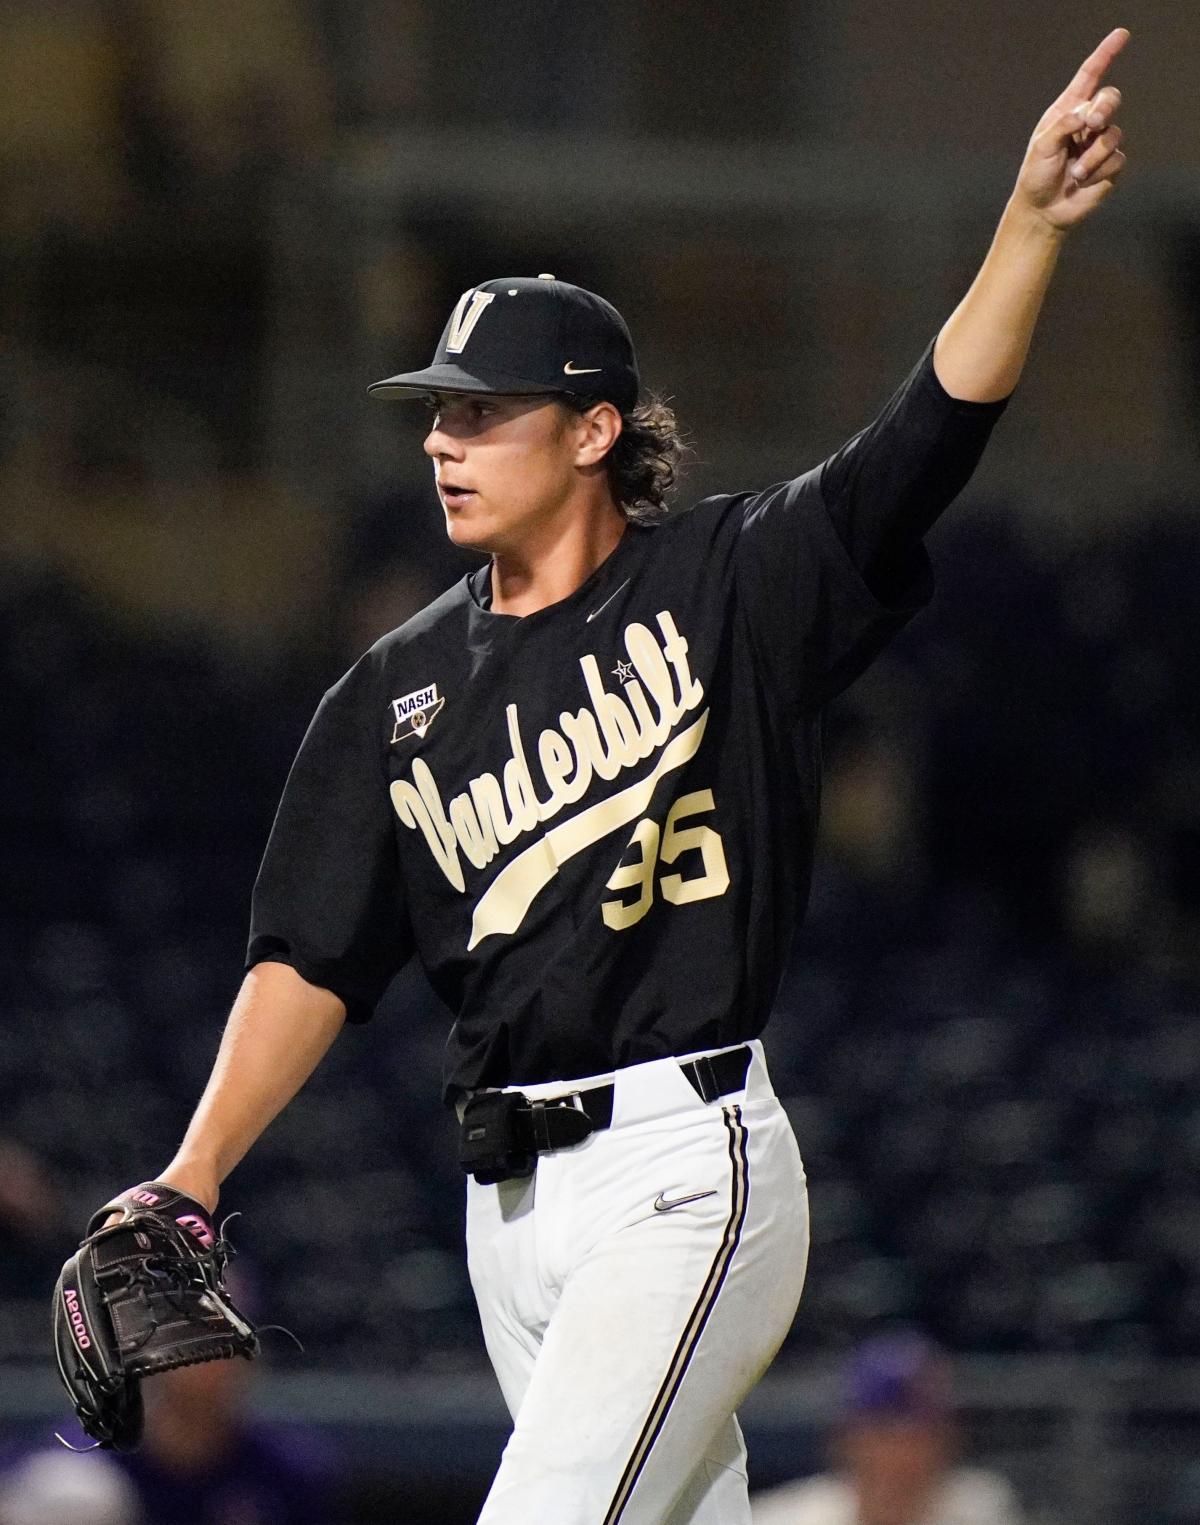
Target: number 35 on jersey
(655,849)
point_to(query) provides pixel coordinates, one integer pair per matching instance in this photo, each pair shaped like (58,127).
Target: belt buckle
(539,1126)
(572,1101)
(710,1088)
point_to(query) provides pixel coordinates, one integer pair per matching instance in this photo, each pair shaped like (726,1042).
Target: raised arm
(1070,167)
(885,488)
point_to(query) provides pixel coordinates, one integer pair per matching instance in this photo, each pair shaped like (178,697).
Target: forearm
(884,488)
(279,1030)
(981,350)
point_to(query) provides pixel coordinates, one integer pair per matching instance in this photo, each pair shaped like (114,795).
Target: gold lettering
(477,845)
(518,781)
(678,839)
(619,914)
(676,648)
(584,735)
(616,723)
(422,807)
(647,728)
(611,733)
(646,655)
(489,805)
(558,764)
(505,903)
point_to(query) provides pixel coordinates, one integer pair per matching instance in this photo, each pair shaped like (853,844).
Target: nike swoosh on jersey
(606,602)
(662,1205)
(582,370)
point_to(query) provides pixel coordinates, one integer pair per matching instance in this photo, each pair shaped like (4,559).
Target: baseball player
(581,786)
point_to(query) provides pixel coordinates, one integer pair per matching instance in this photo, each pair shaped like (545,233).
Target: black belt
(503,1132)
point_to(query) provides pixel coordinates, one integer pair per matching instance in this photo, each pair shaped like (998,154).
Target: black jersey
(594,824)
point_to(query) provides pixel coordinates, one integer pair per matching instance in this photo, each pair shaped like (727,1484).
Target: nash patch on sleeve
(415,712)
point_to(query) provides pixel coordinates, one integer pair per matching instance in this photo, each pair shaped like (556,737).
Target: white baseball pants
(624,1334)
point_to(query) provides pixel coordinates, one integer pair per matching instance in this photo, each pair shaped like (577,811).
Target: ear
(596,432)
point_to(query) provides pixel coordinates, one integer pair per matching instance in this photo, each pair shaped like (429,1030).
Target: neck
(530,577)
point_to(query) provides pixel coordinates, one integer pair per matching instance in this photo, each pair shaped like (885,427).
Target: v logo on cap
(463,320)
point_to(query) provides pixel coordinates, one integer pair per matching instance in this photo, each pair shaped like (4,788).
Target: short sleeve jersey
(594,824)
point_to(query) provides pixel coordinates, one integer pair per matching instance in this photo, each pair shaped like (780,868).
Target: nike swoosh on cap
(576,370)
(662,1205)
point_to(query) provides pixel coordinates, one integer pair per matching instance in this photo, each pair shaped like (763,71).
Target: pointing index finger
(1093,69)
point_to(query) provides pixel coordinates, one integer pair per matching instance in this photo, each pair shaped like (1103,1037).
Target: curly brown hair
(644,463)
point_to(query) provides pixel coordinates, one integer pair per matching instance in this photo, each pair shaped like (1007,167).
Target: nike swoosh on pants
(662,1205)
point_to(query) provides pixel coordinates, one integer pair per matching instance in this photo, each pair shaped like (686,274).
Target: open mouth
(454,496)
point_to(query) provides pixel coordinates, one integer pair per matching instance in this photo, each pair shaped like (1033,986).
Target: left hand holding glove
(143,1293)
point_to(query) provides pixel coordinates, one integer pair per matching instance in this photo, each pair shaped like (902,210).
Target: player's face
(505,467)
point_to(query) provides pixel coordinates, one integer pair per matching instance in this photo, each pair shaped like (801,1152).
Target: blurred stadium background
(220,222)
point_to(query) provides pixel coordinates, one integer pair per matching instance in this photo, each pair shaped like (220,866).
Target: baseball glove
(141,1296)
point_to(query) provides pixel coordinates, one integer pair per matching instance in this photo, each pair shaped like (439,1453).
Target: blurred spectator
(35,1239)
(204,1461)
(34,1236)
(895,1451)
(55,1488)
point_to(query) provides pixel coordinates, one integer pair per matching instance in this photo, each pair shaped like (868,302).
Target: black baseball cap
(525,335)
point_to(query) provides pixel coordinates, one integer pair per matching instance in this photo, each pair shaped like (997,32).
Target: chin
(469,537)
(474,531)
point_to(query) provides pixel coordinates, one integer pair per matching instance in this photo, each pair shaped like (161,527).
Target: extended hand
(1074,157)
